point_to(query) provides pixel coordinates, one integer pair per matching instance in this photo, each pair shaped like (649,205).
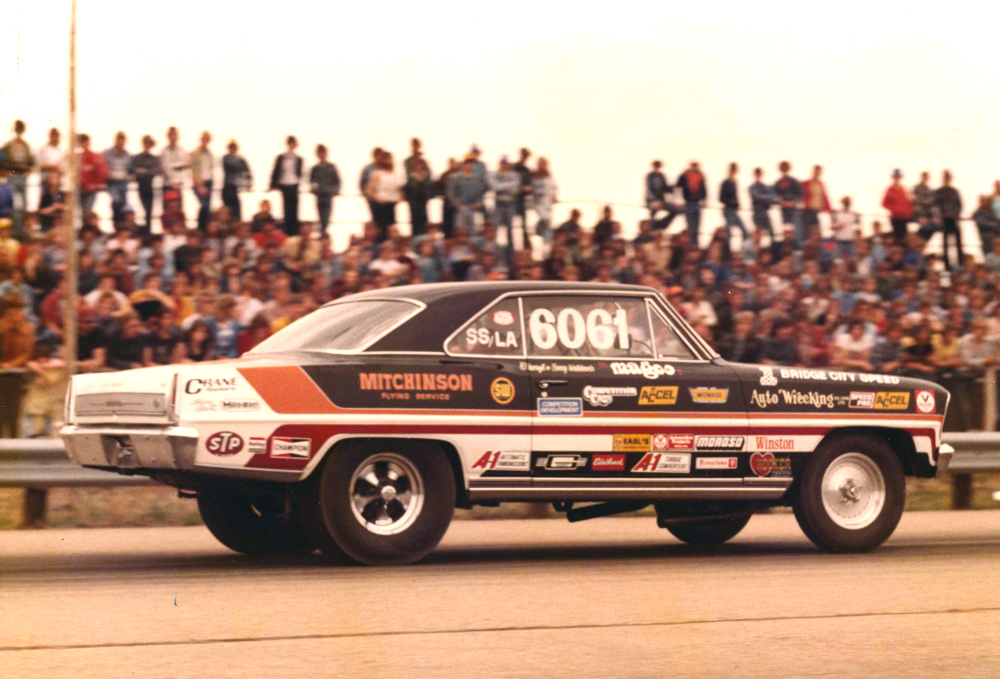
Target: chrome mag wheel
(387,493)
(853,491)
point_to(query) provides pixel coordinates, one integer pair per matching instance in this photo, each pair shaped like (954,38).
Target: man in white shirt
(175,162)
(51,158)
(118,160)
(846,224)
(285,177)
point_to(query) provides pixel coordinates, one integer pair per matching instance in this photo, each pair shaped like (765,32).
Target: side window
(668,344)
(495,332)
(599,326)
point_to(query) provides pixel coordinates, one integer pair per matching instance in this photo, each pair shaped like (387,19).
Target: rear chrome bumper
(131,447)
(945,453)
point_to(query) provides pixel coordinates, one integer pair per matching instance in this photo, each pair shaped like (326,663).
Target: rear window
(348,326)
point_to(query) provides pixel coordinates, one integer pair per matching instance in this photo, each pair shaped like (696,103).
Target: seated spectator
(779,348)
(126,349)
(198,342)
(92,342)
(224,327)
(165,344)
(255,332)
(917,355)
(741,346)
(852,350)
(887,354)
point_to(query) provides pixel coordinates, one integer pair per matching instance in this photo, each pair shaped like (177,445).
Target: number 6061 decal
(600,329)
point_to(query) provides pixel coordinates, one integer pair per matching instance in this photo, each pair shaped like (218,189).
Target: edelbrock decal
(607,462)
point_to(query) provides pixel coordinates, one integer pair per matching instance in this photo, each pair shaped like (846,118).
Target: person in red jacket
(897,201)
(93,174)
(815,201)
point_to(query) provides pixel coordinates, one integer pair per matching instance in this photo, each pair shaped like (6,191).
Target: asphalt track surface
(614,597)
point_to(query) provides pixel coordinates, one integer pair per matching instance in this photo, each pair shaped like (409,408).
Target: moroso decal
(631,443)
(925,400)
(658,396)
(286,446)
(892,400)
(663,463)
(716,395)
(562,462)
(502,390)
(719,442)
(767,464)
(512,461)
(224,443)
(607,462)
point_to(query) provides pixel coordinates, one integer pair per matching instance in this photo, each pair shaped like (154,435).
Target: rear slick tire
(709,531)
(253,525)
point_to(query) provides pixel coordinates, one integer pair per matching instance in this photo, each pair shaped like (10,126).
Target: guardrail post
(961,491)
(36,502)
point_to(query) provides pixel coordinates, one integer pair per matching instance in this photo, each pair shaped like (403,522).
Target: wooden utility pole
(69,222)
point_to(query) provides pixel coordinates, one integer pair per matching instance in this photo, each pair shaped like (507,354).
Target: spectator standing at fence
(51,158)
(175,162)
(366,174)
(52,202)
(93,174)
(286,177)
(923,200)
(236,177)
(118,161)
(815,201)
(447,207)
(202,178)
(544,196)
(44,398)
(16,158)
(897,201)
(987,223)
(948,202)
(762,198)
(506,185)
(480,173)
(384,190)
(325,183)
(462,194)
(692,186)
(524,198)
(419,187)
(789,193)
(145,167)
(657,190)
(846,226)
(729,196)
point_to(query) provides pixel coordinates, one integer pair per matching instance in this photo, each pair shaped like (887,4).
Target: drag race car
(360,428)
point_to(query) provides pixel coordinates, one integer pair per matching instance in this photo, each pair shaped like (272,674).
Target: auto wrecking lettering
(427,386)
(224,443)
(714,395)
(862,399)
(491,338)
(560,407)
(297,448)
(719,443)
(892,400)
(502,390)
(562,462)
(607,462)
(603,396)
(511,461)
(650,371)
(793,397)
(767,464)
(199,384)
(774,443)
(631,443)
(658,396)
(716,463)
(664,463)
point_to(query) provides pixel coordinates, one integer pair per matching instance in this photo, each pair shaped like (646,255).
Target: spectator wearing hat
(692,186)
(419,187)
(118,161)
(325,182)
(236,177)
(285,177)
(948,202)
(175,162)
(897,201)
(145,167)
(202,176)
(93,174)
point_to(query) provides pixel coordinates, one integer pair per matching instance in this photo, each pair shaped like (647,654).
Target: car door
(619,394)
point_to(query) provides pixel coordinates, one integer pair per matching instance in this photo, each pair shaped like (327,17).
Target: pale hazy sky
(598,88)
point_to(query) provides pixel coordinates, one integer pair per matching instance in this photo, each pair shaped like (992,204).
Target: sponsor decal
(503,317)
(663,463)
(506,460)
(892,400)
(926,402)
(716,463)
(651,371)
(257,445)
(768,464)
(198,385)
(715,395)
(774,443)
(607,462)
(502,390)
(794,397)
(719,442)
(829,376)
(240,405)
(416,386)
(603,396)
(561,368)
(631,443)
(767,378)
(203,405)
(562,462)
(224,443)
(501,339)
(658,396)
(284,446)
(673,442)
(560,407)
(862,399)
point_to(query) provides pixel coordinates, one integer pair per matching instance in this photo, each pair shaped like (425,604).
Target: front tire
(851,496)
(253,525)
(381,504)
(709,531)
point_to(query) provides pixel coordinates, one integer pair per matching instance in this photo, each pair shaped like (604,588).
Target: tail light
(172,403)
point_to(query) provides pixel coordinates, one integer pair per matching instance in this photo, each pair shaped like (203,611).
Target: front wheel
(709,531)
(851,496)
(254,525)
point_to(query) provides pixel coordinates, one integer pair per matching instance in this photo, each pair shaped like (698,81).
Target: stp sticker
(297,448)
(612,462)
(715,463)
(503,317)
(925,400)
(502,390)
(663,463)
(224,443)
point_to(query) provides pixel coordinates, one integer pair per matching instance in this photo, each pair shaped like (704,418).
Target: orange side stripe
(288,390)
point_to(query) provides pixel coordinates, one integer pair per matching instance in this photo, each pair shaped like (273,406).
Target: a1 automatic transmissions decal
(506,460)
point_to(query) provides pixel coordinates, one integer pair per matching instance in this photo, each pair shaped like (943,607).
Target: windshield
(348,326)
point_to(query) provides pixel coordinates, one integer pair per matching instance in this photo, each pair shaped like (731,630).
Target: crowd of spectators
(163,289)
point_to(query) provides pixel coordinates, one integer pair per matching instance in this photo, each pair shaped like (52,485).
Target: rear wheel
(851,495)
(384,505)
(253,524)
(709,531)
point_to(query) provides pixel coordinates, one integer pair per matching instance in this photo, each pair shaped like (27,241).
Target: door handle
(545,384)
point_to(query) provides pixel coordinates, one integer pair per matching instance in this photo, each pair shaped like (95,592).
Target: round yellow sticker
(502,390)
